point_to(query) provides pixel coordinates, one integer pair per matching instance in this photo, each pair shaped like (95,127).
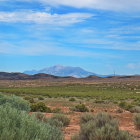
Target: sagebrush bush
(19,125)
(41,107)
(72,99)
(30,99)
(61,118)
(126,106)
(39,116)
(135,109)
(54,122)
(122,104)
(40,98)
(14,101)
(80,108)
(102,127)
(137,120)
(86,117)
(50,121)
(56,110)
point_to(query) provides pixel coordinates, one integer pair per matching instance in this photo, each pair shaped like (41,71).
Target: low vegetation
(61,118)
(72,99)
(100,92)
(68,99)
(54,122)
(17,124)
(15,102)
(40,107)
(135,109)
(86,117)
(80,108)
(132,107)
(100,127)
(137,120)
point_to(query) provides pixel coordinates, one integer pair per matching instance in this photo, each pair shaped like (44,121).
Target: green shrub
(86,117)
(135,109)
(61,118)
(14,101)
(40,98)
(29,99)
(56,110)
(72,99)
(122,104)
(41,107)
(102,127)
(99,101)
(137,120)
(54,122)
(80,108)
(126,106)
(32,100)
(19,125)
(129,107)
(50,121)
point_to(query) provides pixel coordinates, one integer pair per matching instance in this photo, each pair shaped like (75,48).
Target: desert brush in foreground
(100,127)
(16,124)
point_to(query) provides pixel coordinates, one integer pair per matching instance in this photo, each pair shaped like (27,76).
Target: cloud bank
(113,5)
(43,17)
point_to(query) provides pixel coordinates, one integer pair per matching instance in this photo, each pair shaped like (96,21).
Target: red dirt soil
(125,121)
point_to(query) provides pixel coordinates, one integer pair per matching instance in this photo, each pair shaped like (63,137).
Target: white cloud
(115,5)
(43,17)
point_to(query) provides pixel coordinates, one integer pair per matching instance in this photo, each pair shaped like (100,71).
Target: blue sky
(98,35)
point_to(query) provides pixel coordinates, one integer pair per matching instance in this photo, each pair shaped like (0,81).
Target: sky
(101,36)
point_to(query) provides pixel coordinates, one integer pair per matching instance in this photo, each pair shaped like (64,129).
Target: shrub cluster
(56,110)
(135,109)
(61,118)
(132,107)
(72,99)
(54,122)
(57,120)
(80,108)
(40,98)
(41,107)
(86,117)
(100,127)
(137,120)
(16,124)
(30,99)
(15,102)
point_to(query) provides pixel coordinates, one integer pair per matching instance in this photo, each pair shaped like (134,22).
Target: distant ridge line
(44,76)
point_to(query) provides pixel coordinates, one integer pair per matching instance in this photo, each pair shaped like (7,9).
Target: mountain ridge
(65,71)
(59,70)
(43,76)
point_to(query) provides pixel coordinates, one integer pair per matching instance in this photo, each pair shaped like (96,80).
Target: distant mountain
(59,70)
